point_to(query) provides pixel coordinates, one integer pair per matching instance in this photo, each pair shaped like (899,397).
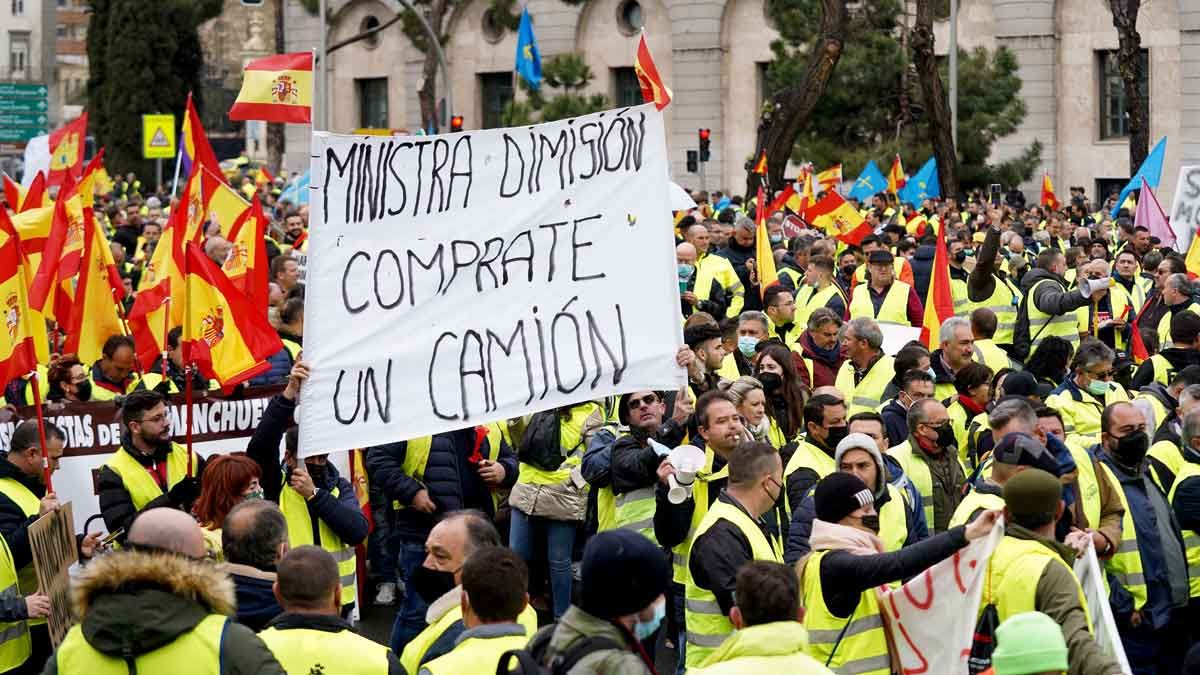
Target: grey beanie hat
(861,441)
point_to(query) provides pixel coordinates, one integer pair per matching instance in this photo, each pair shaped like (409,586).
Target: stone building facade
(712,54)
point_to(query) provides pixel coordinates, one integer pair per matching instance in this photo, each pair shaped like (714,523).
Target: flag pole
(41,423)
(189,366)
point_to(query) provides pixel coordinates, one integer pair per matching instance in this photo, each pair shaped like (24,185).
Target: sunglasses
(648,400)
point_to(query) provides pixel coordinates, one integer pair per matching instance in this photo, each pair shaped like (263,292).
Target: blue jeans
(410,617)
(557,537)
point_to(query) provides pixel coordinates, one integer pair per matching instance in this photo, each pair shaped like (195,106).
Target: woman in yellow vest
(840,579)
(228,481)
(751,403)
(784,390)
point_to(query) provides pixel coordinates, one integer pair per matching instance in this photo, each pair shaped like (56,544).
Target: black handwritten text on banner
(460,279)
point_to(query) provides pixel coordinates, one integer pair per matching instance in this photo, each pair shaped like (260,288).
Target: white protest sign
(932,618)
(1104,627)
(1185,212)
(459,279)
(896,336)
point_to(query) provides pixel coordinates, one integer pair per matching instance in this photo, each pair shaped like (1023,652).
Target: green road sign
(33,119)
(27,105)
(19,90)
(19,134)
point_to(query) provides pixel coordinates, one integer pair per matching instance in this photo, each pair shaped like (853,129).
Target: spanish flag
(148,320)
(66,150)
(760,167)
(653,89)
(896,176)
(263,177)
(195,146)
(222,334)
(17,357)
(63,252)
(94,317)
(246,265)
(221,202)
(276,88)
(764,258)
(939,303)
(13,194)
(35,196)
(1048,198)
(838,219)
(830,179)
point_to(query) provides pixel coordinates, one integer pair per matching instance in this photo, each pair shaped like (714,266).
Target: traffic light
(456,122)
(693,166)
(704,143)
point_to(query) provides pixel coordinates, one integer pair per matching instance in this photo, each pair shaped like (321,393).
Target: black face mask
(431,584)
(836,434)
(848,270)
(946,437)
(771,382)
(83,391)
(960,257)
(1131,449)
(871,522)
(318,472)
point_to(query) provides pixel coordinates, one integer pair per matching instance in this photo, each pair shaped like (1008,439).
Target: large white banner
(932,618)
(1185,212)
(1104,627)
(459,279)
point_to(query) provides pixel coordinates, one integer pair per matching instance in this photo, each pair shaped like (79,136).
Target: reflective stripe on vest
(1164,325)
(1089,485)
(893,309)
(307,650)
(416,648)
(679,555)
(1191,539)
(863,648)
(893,520)
(706,627)
(300,533)
(137,480)
(1126,563)
(1003,304)
(1042,325)
(809,299)
(635,511)
(868,393)
(199,649)
(475,655)
(1013,573)
(806,456)
(570,435)
(15,645)
(974,501)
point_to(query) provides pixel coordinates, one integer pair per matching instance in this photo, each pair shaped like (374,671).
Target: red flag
(276,88)
(760,167)
(35,195)
(1048,198)
(17,357)
(838,218)
(653,89)
(782,200)
(939,302)
(66,150)
(246,265)
(896,176)
(64,246)
(12,194)
(195,145)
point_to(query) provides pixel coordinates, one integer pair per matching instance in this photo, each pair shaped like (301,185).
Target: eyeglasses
(647,400)
(1105,375)
(157,419)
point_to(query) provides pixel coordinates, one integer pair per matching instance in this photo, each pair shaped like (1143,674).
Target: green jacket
(1057,597)
(577,624)
(777,647)
(160,608)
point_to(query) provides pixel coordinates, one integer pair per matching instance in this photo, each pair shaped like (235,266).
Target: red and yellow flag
(939,303)
(64,245)
(14,194)
(94,316)
(67,145)
(246,265)
(783,200)
(149,322)
(276,88)
(653,89)
(896,176)
(35,197)
(830,179)
(760,167)
(222,334)
(17,357)
(194,145)
(838,219)
(263,177)
(764,258)
(1048,198)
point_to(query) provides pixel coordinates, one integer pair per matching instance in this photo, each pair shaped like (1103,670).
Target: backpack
(529,660)
(541,443)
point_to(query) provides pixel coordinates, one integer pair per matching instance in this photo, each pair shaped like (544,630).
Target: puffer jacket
(450,478)
(566,500)
(133,603)
(577,624)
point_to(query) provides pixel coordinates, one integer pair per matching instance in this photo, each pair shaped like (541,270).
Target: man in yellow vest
(1014,454)
(989,286)
(769,636)
(1087,390)
(311,636)
(1048,308)
(1149,581)
(839,579)
(695,295)
(710,266)
(864,376)
(149,470)
(158,606)
(115,373)
(438,581)
(886,299)
(494,580)
(780,308)
(930,460)
(1165,457)
(1185,500)
(732,533)
(818,290)
(987,352)
(825,427)
(956,349)
(176,378)
(1031,571)
(1162,366)
(1177,296)
(320,505)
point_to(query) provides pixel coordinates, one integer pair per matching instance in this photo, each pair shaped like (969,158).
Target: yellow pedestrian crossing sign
(158,136)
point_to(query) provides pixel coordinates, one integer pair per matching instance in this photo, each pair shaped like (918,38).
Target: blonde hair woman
(751,403)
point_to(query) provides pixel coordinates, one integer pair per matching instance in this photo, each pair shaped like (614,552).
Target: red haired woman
(228,480)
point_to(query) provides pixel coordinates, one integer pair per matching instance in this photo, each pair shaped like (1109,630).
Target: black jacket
(14,524)
(635,464)
(672,521)
(115,503)
(342,513)
(1053,299)
(1178,358)
(895,422)
(326,624)
(719,553)
(1186,500)
(450,478)
(737,256)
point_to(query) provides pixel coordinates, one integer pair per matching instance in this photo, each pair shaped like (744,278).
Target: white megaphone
(687,460)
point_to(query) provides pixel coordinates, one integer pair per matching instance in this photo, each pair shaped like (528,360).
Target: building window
(61,31)
(372,102)
(18,7)
(370,22)
(629,17)
(18,55)
(626,89)
(1114,118)
(496,91)
(492,29)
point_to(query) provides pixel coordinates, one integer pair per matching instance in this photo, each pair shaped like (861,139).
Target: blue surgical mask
(644,629)
(931,373)
(1097,387)
(775,238)
(746,344)
(686,270)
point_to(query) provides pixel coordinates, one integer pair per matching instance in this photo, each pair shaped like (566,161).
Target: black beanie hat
(840,494)
(622,573)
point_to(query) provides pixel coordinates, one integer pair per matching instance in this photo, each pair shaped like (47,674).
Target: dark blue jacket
(922,267)
(449,476)
(342,514)
(256,604)
(895,422)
